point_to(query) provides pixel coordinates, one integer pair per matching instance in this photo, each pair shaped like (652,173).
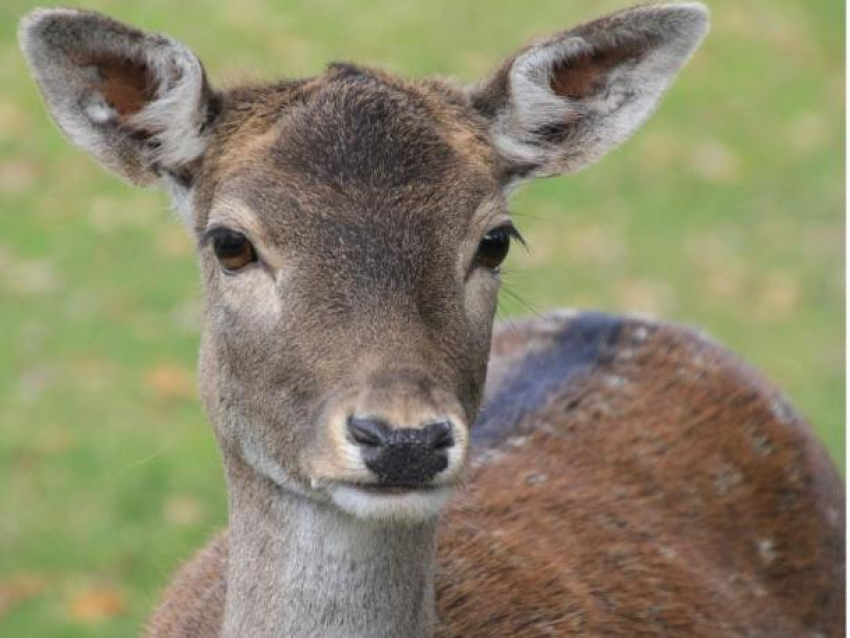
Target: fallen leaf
(18,588)
(96,604)
(171,381)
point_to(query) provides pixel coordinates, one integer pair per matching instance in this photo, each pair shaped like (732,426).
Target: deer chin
(391,504)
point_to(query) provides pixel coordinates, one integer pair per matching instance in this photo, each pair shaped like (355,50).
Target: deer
(399,464)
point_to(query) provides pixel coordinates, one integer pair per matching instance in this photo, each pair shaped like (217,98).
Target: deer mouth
(394,488)
(391,502)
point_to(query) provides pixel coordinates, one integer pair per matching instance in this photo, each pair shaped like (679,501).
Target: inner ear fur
(127,85)
(584,75)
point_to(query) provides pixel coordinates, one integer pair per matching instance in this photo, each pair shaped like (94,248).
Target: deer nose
(402,457)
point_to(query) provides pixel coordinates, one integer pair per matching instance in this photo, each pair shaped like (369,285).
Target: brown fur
(661,489)
(581,77)
(126,85)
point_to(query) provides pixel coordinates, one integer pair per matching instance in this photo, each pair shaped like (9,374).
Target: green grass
(725,212)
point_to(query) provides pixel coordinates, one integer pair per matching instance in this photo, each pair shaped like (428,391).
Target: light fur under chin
(410,507)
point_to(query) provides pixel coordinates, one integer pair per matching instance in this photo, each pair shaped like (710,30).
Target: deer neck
(299,568)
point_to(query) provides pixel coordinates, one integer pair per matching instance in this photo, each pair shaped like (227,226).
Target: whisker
(515,300)
(527,215)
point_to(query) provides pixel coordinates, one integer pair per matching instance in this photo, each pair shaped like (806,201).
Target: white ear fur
(176,115)
(63,48)
(541,133)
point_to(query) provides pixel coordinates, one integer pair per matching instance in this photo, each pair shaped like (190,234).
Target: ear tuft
(565,101)
(138,102)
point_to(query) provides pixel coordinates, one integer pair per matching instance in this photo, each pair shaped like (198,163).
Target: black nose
(402,457)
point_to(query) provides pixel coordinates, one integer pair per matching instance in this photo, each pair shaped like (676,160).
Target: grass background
(725,212)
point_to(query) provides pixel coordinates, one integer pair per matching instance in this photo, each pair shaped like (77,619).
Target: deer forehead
(351,138)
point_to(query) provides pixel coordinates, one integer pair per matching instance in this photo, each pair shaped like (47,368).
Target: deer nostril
(441,435)
(367,432)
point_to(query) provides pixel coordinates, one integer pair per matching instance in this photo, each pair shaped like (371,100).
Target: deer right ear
(565,101)
(138,102)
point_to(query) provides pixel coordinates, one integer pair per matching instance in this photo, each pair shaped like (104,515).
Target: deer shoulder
(635,478)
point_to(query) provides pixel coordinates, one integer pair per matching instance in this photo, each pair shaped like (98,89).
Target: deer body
(653,486)
(623,478)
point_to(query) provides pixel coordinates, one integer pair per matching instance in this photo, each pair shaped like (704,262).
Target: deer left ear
(565,101)
(138,102)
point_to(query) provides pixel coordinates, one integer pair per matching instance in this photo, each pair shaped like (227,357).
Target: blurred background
(725,212)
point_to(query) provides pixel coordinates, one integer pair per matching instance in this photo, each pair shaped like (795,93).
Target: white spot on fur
(781,410)
(98,111)
(762,445)
(767,550)
(727,479)
(488,456)
(613,381)
(535,478)
(517,441)
(668,552)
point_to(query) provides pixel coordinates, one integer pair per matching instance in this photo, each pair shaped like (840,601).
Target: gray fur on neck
(299,568)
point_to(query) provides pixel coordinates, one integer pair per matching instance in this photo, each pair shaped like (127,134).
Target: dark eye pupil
(494,248)
(233,250)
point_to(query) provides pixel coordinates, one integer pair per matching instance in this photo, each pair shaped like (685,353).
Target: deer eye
(495,245)
(232,249)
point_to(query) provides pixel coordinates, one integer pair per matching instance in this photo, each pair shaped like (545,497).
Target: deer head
(350,228)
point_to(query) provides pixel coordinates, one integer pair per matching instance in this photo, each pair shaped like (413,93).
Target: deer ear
(139,103)
(565,101)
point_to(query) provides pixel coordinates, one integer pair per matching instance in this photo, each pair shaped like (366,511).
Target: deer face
(351,245)
(351,228)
